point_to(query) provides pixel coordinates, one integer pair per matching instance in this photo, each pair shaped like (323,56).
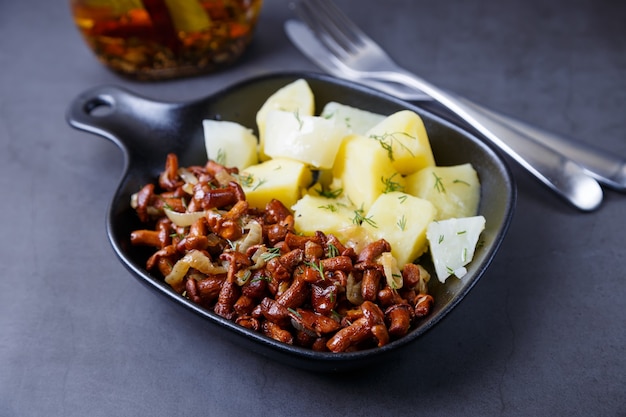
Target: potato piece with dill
(401,219)
(330,215)
(403,136)
(352,119)
(280,178)
(310,139)
(454,190)
(452,244)
(365,170)
(230,143)
(295,97)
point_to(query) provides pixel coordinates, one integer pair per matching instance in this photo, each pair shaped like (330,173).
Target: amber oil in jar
(160,39)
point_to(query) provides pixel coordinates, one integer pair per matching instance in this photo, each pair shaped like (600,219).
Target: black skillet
(147,130)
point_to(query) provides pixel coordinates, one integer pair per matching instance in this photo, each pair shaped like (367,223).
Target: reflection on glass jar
(159,39)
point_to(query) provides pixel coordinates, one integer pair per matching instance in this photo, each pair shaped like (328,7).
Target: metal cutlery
(339,47)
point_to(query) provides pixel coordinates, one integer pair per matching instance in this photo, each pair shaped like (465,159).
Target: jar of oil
(161,39)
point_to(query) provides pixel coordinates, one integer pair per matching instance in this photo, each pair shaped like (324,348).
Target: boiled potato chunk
(352,119)
(365,170)
(295,97)
(330,215)
(282,179)
(401,219)
(309,139)
(230,143)
(404,137)
(454,190)
(452,244)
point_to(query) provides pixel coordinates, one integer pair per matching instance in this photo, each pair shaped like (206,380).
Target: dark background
(543,332)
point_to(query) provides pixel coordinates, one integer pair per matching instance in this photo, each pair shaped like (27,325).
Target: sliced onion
(133,201)
(355,237)
(189,178)
(194,259)
(224,178)
(203,263)
(188,188)
(183,219)
(353,290)
(242,276)
(392,272)
(253,237)
(422,285)
(258,258)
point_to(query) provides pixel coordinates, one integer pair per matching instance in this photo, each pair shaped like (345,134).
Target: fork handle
(561,174)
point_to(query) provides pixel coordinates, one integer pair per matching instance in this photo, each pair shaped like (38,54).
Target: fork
(362,59)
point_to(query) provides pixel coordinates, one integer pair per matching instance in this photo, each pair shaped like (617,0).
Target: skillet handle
(137,125)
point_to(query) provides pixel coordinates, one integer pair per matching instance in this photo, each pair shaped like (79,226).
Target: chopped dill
(317,267)
(335,315)
(359,218)
(261,278)
(258,184)
(332,251)
(221,156)
(330,193)
(246,180)
(166,205)
(270,254)
(298,119)
(330,207)
(391,185)
(294,312)
(328,115)
(439,184)
(402,223)
(386,141)
(394,282)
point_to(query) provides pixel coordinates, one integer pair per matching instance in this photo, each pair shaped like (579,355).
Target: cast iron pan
(147,130)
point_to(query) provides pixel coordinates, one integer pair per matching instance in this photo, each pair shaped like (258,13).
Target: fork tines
(325,19)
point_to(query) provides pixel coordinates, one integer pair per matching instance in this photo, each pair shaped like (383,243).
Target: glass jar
(160,39)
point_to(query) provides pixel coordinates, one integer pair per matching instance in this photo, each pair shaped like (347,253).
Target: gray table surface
(542,334)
